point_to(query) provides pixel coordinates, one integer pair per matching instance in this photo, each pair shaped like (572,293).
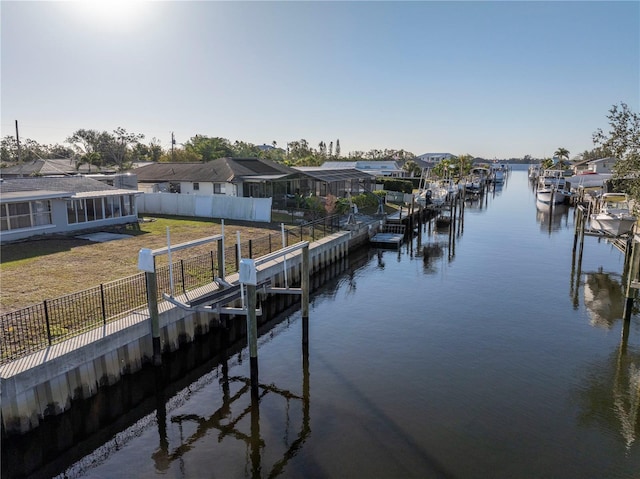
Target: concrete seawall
(46,383)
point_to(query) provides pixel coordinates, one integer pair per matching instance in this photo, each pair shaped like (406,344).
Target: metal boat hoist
(218,301)
(226,293)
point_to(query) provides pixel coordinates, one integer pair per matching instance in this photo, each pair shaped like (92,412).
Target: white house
(46,205)
(602,165)
(434,157)
(246,177)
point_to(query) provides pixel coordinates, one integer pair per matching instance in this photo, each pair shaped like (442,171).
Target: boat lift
(226,292)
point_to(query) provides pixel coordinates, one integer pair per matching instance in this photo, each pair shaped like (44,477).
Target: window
(217,188)
(196,186)
(126,205)
(112,207)
(27,214)
(76,211)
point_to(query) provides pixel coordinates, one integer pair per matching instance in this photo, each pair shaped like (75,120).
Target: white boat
(497,173)
(552,188)
(430,192)
(552,195)
(589,179)
(614,216)
(534,172)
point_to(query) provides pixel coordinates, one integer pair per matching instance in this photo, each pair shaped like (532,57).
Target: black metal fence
(33,328)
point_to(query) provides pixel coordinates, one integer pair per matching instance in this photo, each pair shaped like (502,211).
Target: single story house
(243,177)
(45,205)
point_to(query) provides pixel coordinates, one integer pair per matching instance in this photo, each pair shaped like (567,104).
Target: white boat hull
(547,195)
(614,225)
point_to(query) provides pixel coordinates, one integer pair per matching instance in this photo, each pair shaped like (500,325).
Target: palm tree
(562,153)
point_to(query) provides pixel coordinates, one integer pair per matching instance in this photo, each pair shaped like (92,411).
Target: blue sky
(491,79)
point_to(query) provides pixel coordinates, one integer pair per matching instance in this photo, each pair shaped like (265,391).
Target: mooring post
(152,299)
(579,218)
(631,274)
(420,220)
(304,283)
(252,336)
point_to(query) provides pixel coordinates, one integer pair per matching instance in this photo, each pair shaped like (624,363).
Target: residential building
(61,205)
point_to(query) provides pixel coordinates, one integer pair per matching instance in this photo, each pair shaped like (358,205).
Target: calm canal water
(490,358)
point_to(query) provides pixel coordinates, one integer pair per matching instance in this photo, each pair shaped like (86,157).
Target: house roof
(336,165)
(377,165)
(340,174)
(224,170)
(51,167)
(42,187)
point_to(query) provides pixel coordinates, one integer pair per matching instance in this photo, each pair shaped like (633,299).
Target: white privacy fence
(206,206)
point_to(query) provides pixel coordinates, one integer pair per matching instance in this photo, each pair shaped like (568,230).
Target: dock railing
(33,328)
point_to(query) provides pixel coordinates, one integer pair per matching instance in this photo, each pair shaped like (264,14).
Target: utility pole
(18,142)
(173,142)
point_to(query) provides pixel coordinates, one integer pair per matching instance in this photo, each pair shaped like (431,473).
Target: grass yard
(31,271)
(34,270)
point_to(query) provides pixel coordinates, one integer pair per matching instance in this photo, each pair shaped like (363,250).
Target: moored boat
(552,188)
(614,216)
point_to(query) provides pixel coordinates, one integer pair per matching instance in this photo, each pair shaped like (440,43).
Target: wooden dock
(390,236)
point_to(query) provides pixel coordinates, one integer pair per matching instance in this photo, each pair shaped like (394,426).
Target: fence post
(221,259)
(313,232)
(104,310)
(184,290)
(301,233)
(213,271)
(250,249)
(46,319)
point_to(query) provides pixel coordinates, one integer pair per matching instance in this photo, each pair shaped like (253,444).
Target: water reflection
(238,412)
(439,245)
(611,397)
(552,219)
(603,298)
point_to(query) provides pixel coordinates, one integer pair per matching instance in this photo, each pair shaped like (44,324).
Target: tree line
(120,149)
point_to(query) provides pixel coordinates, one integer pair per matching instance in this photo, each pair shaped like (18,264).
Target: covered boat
(614,216)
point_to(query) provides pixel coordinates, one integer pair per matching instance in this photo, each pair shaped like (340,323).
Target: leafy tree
(89,141)
(209,148)
(595,154)
(59,151)
(623,141)
(180,155)
(151,152)
(442,169)
(412,168)
(241,149)
(338,148)
(118,146)
(91,159)
(547,163)
(8,149)
(299,150)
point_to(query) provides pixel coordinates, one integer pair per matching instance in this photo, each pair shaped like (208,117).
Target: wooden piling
(630,291)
